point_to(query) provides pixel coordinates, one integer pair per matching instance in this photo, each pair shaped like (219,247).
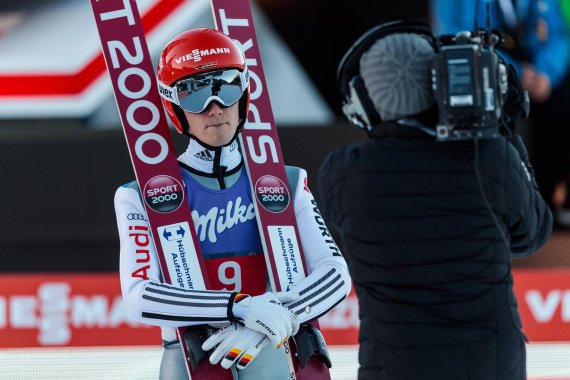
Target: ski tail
(271,192)
(129,64)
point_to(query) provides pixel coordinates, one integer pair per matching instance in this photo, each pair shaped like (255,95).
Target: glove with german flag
(265,314)
(235,344)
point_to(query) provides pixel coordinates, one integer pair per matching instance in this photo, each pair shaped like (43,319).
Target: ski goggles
(195,93)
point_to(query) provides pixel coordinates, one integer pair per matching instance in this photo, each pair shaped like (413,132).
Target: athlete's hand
(287,298)
(235,343)
(266,314)
(219,325)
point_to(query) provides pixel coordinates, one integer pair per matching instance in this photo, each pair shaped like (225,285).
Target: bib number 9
(244,274)
(229,274)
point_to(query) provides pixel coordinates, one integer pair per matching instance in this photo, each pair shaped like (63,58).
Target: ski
(264,163)
(155,163)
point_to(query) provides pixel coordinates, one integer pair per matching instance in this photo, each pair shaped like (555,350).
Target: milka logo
(197,54)
(217,220)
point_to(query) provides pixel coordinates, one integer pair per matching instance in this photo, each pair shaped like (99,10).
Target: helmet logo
(197,54)
(166,92)
(207,65)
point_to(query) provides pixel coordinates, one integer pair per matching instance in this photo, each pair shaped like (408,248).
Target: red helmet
(199,51)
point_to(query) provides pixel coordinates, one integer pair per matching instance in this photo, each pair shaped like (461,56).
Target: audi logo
(134,216)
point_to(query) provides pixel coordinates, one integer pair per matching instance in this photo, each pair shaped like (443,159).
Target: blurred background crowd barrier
(63,154)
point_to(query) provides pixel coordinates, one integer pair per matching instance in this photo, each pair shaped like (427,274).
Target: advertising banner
(72,310)
(544,303)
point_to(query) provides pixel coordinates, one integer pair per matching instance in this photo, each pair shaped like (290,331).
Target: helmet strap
(181,119)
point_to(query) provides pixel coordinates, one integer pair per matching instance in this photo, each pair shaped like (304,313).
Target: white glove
(235,343)
(287,297)
(219,325)
(265,314)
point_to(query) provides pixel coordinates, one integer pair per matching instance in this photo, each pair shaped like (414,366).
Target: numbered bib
(240,273)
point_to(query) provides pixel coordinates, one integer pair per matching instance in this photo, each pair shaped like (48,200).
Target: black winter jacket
(430,265)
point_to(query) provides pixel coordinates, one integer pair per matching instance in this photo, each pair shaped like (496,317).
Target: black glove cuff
(231,316)
(234,298)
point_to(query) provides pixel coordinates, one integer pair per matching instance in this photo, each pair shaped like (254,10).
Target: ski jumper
(224,218)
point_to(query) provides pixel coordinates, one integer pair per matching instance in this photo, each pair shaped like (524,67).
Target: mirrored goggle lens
(195,94)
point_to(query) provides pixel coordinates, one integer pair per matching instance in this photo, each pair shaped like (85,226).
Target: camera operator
(429,228)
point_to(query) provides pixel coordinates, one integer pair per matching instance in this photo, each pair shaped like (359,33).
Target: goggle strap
(244,77)
(168,93)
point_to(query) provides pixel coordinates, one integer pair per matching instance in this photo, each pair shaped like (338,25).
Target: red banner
(544,303)
(39,310)
(47,310)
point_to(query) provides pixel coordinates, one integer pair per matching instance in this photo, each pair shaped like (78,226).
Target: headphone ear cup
(367,105)
(357,106)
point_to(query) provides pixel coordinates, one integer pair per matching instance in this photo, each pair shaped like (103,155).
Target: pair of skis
(158,174)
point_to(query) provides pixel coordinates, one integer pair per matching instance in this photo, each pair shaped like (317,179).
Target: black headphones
(356,104)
